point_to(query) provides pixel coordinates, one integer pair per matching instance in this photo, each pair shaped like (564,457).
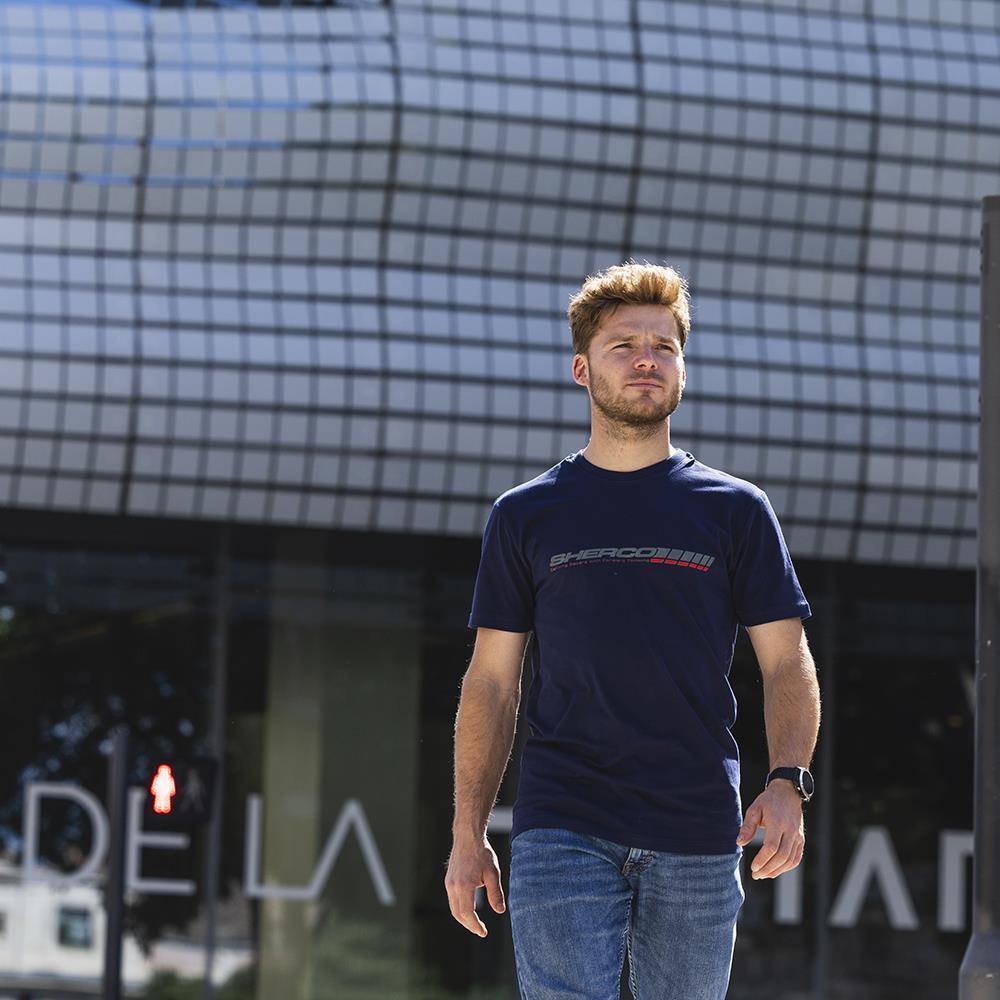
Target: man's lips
(651,385)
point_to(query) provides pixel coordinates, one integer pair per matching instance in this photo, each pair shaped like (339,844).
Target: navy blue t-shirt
(634,585)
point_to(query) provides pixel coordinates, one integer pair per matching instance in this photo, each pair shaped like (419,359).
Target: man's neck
(626,455)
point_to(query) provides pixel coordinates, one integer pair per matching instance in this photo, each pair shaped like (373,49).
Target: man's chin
(638,418)
(651,411)
(637,411)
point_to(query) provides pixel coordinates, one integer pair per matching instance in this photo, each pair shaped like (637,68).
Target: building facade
(283,310)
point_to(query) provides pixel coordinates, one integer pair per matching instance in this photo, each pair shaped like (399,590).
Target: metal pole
(217,738)
(979,976)
(826,778)
(114,886)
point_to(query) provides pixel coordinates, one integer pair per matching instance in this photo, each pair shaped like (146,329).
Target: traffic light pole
(114,886)
(217,737)
(979,976)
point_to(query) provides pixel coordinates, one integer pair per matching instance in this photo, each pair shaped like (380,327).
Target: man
(632,565)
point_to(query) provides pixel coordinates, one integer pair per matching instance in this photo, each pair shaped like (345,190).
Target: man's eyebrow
(631,334)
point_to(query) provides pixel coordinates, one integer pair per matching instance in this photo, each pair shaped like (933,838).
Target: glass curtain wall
(344,658)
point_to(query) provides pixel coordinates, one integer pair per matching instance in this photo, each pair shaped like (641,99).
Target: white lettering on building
(873,864)
(874,860)
(352,814)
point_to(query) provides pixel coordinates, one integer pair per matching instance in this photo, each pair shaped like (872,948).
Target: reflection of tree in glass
(242,985)
(69,677)
(367,959)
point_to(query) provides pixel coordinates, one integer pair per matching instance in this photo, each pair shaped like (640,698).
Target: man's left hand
(779,810)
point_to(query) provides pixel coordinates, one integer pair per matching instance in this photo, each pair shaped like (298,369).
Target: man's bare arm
(791,720)
(484,737)
(791,692)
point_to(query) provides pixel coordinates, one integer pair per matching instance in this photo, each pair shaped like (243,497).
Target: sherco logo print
(630,553)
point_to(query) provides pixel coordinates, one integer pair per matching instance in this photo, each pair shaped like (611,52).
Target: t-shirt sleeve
(504,594)
(764,585)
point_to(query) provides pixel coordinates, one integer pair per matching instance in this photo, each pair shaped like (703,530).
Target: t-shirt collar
(664,467)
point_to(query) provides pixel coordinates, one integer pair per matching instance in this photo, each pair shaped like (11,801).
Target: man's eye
(615,347)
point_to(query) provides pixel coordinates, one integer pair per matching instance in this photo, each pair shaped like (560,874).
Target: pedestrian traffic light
(163,789)
(180,790)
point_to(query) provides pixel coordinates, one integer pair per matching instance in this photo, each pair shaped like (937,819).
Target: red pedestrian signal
(163,789)
(181,790)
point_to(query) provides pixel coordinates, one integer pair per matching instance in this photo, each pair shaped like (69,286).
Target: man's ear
(580,373)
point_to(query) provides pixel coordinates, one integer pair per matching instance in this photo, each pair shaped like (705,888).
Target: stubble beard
(642,417)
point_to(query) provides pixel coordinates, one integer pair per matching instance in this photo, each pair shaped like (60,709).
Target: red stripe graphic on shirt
(633,554)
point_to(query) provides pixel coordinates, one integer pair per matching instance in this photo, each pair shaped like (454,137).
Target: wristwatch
(798,776)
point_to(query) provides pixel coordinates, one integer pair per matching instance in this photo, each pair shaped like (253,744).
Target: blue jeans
(576,900)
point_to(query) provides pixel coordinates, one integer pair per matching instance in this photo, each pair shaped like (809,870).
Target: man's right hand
(470,865)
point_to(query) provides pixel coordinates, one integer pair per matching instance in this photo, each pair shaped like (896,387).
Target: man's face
(634,368)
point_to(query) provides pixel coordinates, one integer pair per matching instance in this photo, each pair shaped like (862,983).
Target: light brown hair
(629,283)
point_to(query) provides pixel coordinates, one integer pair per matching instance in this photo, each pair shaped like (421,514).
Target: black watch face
(808,785)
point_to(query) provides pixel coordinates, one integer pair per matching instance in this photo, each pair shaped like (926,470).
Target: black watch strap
(798,776)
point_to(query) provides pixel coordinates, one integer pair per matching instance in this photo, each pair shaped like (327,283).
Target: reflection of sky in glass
(236,213)
(73,3)
(173,4)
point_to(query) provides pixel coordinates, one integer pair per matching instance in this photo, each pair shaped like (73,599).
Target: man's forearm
(792,711)
(484,736)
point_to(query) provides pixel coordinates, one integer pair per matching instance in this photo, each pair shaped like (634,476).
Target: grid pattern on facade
(311,266)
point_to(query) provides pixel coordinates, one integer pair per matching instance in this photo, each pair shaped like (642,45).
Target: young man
(633,565)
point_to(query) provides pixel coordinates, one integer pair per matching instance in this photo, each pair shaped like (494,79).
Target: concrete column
(341,727)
